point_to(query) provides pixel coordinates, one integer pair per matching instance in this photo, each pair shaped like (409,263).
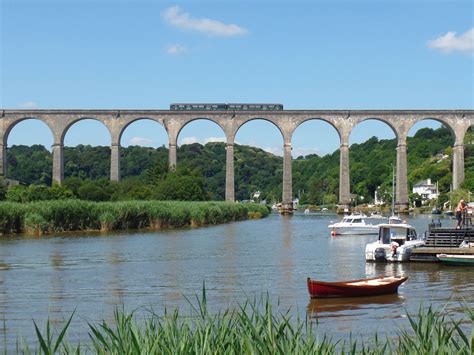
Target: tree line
(201,171)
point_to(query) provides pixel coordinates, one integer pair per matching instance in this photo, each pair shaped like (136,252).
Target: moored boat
(376,215)
(354,224)
(395,243)
(355,288)
(436,210)
(456,259)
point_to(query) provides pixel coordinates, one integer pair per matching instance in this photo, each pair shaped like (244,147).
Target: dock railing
(451,237)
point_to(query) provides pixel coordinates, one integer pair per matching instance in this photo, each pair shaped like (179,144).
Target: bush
(91,191)
(76,215)
(35,223)
(17,193)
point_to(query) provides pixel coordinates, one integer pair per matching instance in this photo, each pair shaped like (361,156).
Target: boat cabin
(352,219)
(399,233)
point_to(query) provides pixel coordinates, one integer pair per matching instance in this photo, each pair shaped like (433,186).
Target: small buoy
(333,233)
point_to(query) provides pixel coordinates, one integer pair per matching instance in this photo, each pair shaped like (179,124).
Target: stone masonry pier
(400,121)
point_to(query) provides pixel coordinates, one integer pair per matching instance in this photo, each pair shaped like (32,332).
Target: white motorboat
(354,224)
(395,243)
(395,220)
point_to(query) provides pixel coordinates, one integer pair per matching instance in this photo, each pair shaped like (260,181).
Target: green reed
(77,215)
(254,327)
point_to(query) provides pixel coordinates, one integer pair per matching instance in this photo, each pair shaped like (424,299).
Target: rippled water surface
(51,276)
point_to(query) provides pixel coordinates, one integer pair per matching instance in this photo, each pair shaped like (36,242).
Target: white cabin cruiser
(395,243)
(354,224)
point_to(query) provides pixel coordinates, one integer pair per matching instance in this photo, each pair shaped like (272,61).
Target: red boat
(355,288)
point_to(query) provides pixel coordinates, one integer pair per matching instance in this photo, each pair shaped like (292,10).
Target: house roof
(426,182)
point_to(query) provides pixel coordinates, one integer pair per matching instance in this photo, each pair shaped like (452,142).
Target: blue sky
(305,55)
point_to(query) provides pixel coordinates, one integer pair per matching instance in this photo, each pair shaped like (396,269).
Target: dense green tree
(315,178)
(95,190)
(181,185)
(32,164)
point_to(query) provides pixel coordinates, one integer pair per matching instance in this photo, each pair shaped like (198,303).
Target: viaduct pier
(400,121)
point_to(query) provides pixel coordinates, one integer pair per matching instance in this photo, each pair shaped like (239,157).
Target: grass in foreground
(252,328)
(77,215)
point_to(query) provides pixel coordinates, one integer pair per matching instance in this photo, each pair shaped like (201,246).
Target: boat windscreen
(384,235)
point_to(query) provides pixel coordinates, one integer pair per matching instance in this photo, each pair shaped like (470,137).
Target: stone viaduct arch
(286,137)
(5,131)
(458,121)
(385,123)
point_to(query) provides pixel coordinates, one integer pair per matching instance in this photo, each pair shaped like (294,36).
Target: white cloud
(141,141)
(450,42)
(176,49)
(174,16)
(28,104)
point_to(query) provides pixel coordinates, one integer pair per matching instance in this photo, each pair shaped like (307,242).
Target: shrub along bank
(77,215)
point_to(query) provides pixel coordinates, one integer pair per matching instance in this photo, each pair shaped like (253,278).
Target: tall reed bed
(252,328)
(77,215)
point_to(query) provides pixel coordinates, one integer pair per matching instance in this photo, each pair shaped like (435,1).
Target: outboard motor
(380,255)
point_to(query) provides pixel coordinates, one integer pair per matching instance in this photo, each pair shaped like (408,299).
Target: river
(51,276)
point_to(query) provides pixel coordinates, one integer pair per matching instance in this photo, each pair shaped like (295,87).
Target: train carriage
(225,107)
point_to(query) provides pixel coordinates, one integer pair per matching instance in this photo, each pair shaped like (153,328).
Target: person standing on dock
(460,211)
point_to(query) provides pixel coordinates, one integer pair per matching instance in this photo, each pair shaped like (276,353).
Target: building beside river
(426,189)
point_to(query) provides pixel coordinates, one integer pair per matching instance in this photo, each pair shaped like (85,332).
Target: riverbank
(254,327)
(77,215)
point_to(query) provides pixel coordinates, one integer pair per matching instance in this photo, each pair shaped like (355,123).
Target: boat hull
(372,230)
(456,260)
(383,252)
(355,288)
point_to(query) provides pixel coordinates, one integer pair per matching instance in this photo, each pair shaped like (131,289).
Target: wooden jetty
(442,240)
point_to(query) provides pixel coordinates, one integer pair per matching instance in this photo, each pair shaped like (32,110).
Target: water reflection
(229,259)
(286,253)
(375,269)
(95,273)
(336,307)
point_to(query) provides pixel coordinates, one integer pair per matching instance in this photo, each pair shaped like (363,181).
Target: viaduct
(400,121)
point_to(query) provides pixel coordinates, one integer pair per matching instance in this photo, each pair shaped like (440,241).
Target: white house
(426,189)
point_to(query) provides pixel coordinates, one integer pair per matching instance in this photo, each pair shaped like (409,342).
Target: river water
(51,276)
